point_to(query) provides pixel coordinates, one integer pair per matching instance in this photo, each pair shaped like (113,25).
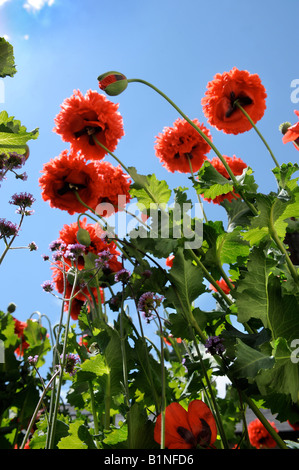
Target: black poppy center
(204,436)
(68,187)
(90,131)
(242,99)
(187,435)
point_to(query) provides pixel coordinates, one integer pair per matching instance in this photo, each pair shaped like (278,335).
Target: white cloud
(36,5)
(3,1)
(26,37)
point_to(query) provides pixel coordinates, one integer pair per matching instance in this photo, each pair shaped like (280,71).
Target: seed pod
(83,237)
(112,83)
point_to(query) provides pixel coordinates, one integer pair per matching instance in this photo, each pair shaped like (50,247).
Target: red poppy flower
(237,166)
(83,117)
(187,429)
(223,286)
(68,235)
(259,436)
(19,330)
(177,143)
(223,91)
(81,293)
(292,133)
(66,173)
(113,189)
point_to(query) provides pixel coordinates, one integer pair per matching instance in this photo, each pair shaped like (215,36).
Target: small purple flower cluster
(48,286)
(214,345)
(71,360)
(74,251)
(122,276)
(12,163)
(103,259)
(7,229)
(148,303)
(23,200)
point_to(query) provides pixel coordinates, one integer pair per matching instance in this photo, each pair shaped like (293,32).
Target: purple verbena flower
(32,246)
(148,303)
(7,229)
(71,360)
(48,286)
(74,251)
(122,276)
(22,200)
(57,245)
(214,345)
(33,359)
(103,259)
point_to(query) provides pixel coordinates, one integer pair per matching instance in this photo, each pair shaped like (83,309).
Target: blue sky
(62,45)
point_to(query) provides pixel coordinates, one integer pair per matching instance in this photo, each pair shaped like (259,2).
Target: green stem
(32,421)
(54,417)
(257,131)
(194,181)
(264,421)
(94,412)
(163,384)
(282,248)
(212,395)
(203,135)
(107,402)
(210,278)
(123,351)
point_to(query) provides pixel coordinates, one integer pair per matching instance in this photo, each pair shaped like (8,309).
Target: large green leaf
(153,192)
(186,282)
(14,136)
(7,60)
(249,361)
(252,290)
(283,313)
(273,213)
(284,376)
(78,438)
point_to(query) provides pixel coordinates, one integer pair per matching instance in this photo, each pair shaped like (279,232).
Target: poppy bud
(112,83)
(83,237)
(11,308)
(284,127)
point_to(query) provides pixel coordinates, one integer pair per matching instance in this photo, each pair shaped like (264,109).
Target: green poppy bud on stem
(284,127)
(112,83)
(11,308)
(83,237)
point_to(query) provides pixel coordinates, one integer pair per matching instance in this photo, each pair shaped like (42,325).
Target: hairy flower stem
(283,250)
(236,103)
(212,395)
(94,412)
(203,135)
(198,196)
(264,421)
(163,383)
(32,421)
(53,418)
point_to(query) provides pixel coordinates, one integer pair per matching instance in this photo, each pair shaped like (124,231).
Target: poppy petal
(199,417)
(175,416)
